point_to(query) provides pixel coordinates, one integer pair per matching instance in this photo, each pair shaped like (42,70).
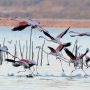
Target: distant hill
(63,9)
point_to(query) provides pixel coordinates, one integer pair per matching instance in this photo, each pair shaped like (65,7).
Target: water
(50,77)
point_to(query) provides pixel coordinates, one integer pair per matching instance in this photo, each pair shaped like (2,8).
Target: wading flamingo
(52,39)
(87,60)
(27,64)
(76,60)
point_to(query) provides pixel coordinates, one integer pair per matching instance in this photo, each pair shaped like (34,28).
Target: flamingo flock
(76,59)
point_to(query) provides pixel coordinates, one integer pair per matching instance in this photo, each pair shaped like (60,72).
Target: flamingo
(52,39)
(25,23)
(55,52)
(87,61)
(79,34)
(27,64)
(21,25)
(75,59)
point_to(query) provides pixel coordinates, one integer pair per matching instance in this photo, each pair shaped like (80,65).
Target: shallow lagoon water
(50,77)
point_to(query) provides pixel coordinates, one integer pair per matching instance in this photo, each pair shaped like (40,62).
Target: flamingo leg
(73,71)
(48,60)
(61,66)
(37,70)
(84,72)
(21,71)
(32,72)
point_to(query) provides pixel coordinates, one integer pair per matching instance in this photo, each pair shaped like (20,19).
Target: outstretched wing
(61,46)
(87,59)
(10,60)
(70,54)
(47,34)
(74,32)
(63,33)
(82,55)
(52,50)
(20,26)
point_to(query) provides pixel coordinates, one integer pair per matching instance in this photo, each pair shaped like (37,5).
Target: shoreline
(57,23)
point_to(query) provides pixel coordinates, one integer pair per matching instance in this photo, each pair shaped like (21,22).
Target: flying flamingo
(25,23)
(27,64)
(87,60)
(75,59)
(56,51)
(52,39)
(79,34)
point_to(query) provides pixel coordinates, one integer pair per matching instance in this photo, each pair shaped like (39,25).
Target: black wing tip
(9,60)
(48,46)
(87,50)
(14,29)
(67,44)
(72,35)
(45,31)
(65,49)
(68,28)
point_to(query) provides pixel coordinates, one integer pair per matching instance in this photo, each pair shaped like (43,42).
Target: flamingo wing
(82,55)
(87,59)
(63,33)
(47,34)
(10,60)
(23,23)
(25,63)
(52,50)
(74,32)
(32,22)
(61,46)
(20,26)
(33,62)
(70,54)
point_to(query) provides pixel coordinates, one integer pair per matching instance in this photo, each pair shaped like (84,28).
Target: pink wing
(60,47)
(63,33)
(23,23)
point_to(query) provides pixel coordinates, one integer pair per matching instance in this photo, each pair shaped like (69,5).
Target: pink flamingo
(27,64)
(56,51)
(76,60)
(25,23)
(87,60)
(52,39)
(79,34)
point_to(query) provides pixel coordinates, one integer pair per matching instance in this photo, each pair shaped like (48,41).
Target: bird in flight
(76,59)
(27,64)
(26,23)
(79,34)
(52,39)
